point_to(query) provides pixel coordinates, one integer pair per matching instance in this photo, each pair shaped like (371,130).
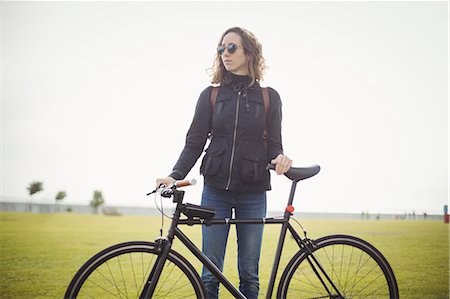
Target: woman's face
(236,62)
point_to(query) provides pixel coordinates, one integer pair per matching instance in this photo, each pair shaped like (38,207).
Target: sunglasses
(230,47)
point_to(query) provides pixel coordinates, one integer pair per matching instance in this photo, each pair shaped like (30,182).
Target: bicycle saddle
(299,173)
(302,173)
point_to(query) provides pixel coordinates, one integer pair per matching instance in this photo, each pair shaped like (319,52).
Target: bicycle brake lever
(161,186)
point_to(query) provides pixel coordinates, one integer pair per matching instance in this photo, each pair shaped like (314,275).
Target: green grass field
(40,253)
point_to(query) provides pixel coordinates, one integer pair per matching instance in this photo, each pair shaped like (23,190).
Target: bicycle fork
(150,285)
(165,245)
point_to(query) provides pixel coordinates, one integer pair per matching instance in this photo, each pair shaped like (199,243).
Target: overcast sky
(99,96)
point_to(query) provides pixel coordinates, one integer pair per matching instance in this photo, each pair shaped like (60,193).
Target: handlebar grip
(184,183)
(167,191)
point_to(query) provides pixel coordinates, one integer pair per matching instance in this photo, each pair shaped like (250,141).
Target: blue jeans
(249,237)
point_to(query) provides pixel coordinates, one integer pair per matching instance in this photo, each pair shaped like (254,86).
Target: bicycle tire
(356,267)
(122,269)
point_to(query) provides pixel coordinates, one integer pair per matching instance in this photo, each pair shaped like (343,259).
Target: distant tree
(97,200)
(59,197)
(34,188)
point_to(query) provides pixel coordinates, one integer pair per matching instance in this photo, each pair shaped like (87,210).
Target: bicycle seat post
(287,214)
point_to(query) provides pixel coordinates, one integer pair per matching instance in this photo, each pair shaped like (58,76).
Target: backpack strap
(266,99)
(213,97)
(212,101)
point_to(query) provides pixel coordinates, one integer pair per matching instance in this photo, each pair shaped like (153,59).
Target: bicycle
(335,266)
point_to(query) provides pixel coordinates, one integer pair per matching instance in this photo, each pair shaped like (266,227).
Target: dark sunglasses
(230,47)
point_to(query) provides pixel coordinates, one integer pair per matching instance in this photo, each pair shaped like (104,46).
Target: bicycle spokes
(338,268)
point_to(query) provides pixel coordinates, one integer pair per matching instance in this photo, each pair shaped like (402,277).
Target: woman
(235,177)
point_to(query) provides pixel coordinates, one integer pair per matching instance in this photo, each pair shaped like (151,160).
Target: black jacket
(237,154)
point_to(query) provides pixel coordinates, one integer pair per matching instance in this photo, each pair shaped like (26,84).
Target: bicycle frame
(357,267)
(166,245)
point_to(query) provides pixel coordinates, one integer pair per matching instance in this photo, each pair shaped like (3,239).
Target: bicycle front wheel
(355,269)
(121,271)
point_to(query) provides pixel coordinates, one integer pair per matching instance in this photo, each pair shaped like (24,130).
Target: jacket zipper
(234,141)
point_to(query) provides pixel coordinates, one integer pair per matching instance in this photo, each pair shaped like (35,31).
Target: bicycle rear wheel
(121,271)
(356,268)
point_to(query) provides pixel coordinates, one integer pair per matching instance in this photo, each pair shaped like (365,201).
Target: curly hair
(252,49)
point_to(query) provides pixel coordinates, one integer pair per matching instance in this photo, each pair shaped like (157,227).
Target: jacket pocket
(212,161)
(221,102)
(256,107)
(253,167)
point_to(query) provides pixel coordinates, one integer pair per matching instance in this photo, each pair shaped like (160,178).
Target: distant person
(235,177)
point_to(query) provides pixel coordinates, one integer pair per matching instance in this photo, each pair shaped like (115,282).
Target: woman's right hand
(167,181)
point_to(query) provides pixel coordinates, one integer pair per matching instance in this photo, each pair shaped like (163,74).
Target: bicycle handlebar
(185,183)
(294,173)
(176,184)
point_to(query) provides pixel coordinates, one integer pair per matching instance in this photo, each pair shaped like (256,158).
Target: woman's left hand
(282,164)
